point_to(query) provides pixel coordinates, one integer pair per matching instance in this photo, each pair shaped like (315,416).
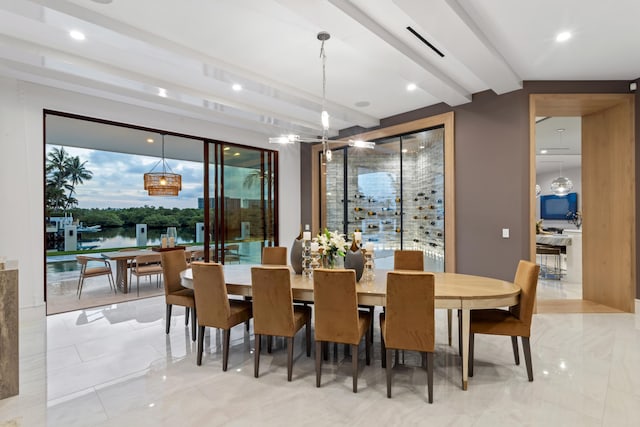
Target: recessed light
(560,130)
(162,92)
(543,151)
(422,147)
(411,87)
(362,104)
(77,35)
(237,87)
(404,150)
(236,154)
(150,140)
(563,36)
(227,148)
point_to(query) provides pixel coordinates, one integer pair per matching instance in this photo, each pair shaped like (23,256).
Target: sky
(118,181)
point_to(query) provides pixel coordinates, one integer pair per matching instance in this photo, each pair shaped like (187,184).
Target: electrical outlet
(505,233)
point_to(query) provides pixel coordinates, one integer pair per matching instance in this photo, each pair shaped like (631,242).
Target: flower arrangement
(575,218)
(332,244)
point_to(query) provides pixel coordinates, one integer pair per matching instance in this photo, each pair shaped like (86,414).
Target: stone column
(9,382)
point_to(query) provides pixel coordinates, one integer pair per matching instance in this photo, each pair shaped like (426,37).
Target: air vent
(425,41)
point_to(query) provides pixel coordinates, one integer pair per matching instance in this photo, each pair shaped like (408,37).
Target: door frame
(584,105)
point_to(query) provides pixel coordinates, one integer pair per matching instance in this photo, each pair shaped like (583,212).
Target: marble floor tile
(115,365)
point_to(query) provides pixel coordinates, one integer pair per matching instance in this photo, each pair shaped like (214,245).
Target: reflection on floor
(114,365)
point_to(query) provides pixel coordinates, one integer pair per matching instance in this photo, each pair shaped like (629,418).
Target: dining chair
(148,265)
(337,318)
(514,322)
(174,262)
(214,307)
(274,255)
(408,321)
(274,313)
(414,260)
(102,269)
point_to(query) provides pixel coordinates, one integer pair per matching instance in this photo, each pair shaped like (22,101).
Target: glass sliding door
(247,203)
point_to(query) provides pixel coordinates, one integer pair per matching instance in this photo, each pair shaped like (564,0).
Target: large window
(94,186)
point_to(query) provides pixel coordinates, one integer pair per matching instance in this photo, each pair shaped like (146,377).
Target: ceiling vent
(425,41)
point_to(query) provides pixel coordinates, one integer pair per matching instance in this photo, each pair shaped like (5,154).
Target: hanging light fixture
(561,186)
(165,183)
(323,36)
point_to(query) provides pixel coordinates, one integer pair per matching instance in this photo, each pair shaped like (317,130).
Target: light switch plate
(505,233)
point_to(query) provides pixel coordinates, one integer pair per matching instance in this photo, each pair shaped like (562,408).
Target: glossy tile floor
(114,366)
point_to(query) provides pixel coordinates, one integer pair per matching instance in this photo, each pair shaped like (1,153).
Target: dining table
(457,291)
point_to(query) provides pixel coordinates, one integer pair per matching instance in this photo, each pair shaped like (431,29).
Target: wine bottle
(398,199)
(420,208)
(398,230)
(372,226)
(371,213)
(357,209)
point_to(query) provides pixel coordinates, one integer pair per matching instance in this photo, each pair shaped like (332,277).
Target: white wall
(545,180)
(21,167)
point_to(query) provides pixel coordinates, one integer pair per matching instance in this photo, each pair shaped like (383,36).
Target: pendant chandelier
(323,36)
(561,186)
(165,183)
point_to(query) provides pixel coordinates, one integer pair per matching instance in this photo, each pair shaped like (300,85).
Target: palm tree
(64,172)
(76,173)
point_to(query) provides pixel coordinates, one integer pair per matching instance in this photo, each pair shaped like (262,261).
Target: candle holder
(369,266)
(307,269)
(315,260)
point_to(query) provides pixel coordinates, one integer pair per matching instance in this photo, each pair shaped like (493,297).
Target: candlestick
(369,246)
(357,236)
(306,236)
(315,246)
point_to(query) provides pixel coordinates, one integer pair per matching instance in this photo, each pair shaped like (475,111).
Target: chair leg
(307,330)
(169,306)
(269,343)
(80,283)
(289,357)
(318,362)
(354,366)
(246,325)
(388,356)
(526,348)
(138,285)
(200,344)
(430,375)
(367,347)
(225,348)
(471,340)
(193,323)
(256,356)
(325,350)
(186,316)
(449,322)
(383,351)
(514,344)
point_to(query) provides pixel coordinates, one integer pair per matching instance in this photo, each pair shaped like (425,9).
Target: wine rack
(393,194)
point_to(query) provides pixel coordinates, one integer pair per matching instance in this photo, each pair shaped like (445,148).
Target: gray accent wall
(492,172)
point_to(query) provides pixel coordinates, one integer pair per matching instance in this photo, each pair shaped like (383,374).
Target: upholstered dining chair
(274,255)
(408,321)
(514,322)
(408,260)
(337,317)
(274,313)
(174,262)
(215,309)
(148,265)
(103,268)
(414,260)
